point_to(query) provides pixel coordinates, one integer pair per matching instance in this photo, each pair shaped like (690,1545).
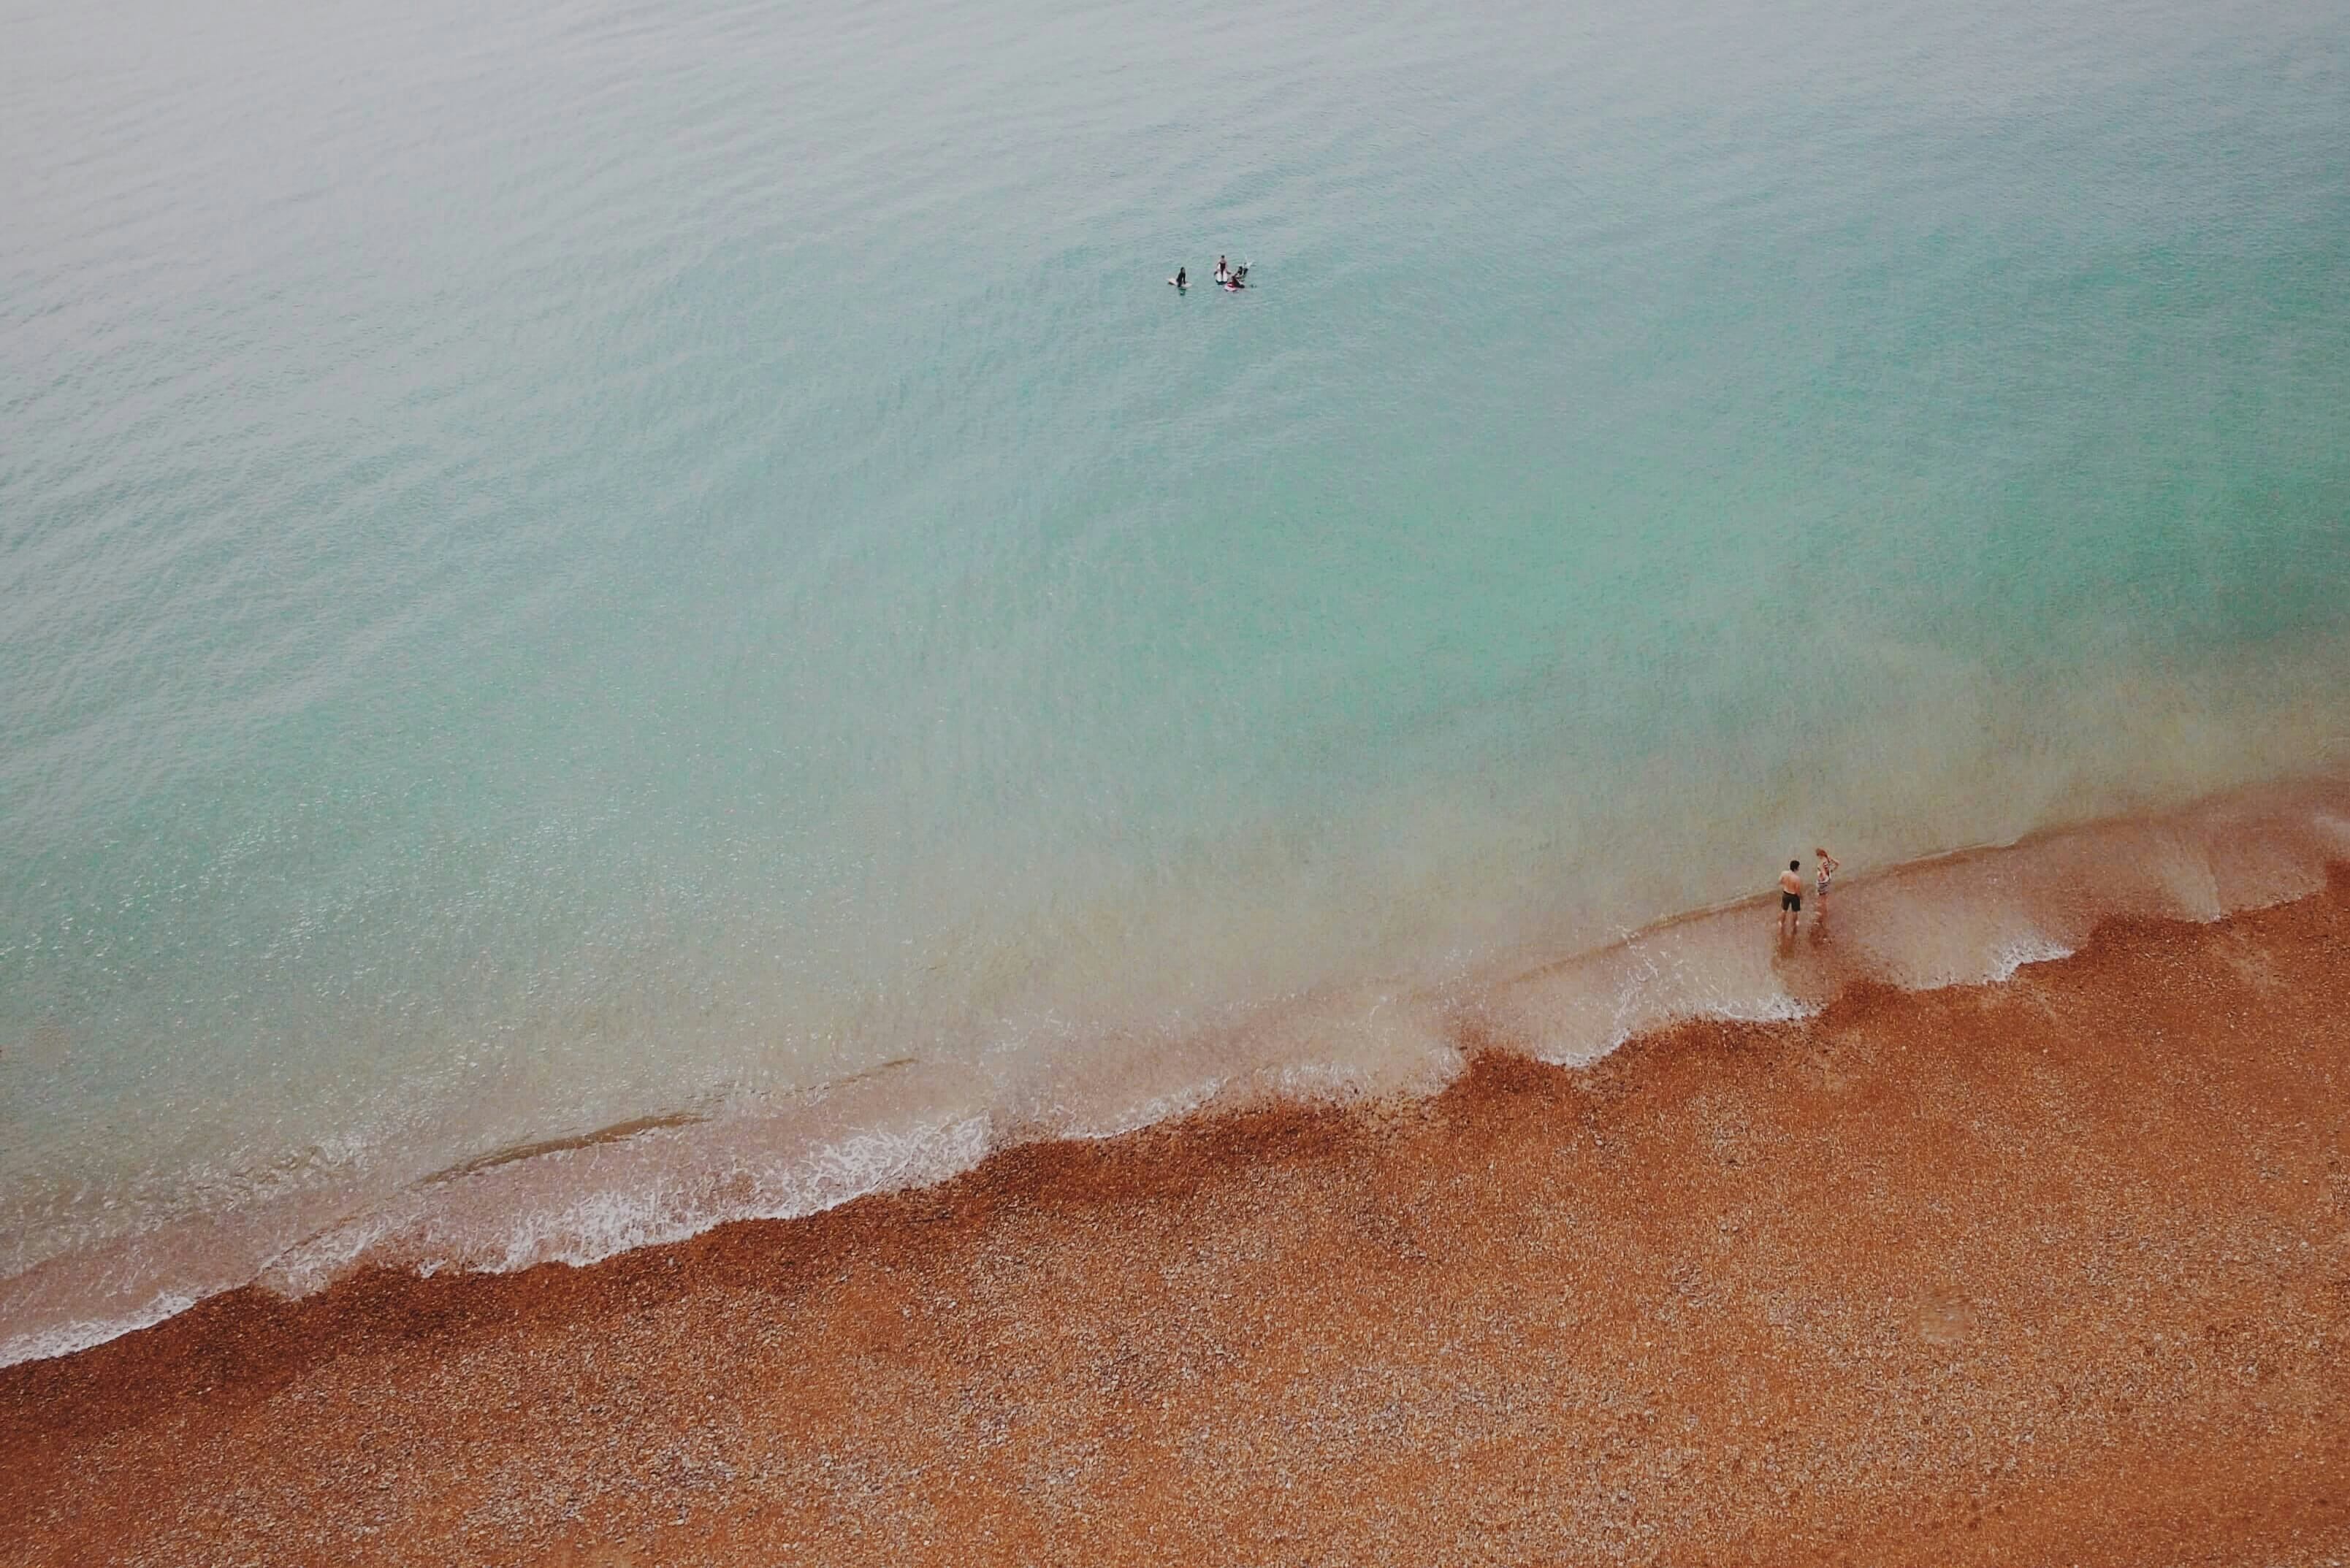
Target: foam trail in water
(1966,917)
(65,1338)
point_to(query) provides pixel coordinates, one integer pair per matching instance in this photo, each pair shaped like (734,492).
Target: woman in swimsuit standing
(1828,866)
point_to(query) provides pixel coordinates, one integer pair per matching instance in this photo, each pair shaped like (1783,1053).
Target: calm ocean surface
(571,565)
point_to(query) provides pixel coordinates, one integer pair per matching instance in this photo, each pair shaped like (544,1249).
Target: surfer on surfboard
(1180,280)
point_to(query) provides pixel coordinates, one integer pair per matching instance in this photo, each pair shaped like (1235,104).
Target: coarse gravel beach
(2056,1270)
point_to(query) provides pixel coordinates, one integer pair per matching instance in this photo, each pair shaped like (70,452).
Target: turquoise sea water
(572,564)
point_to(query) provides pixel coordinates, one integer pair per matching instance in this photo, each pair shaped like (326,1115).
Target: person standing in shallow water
(1829,866)
(1790,897)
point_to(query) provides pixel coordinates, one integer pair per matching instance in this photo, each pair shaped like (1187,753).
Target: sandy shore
(2051,1271)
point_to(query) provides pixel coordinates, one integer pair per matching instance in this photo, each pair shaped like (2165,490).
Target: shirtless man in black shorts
(1790,897)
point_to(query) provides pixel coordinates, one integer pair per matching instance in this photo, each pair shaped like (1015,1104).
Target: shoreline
(579,1194)
(1990,1272)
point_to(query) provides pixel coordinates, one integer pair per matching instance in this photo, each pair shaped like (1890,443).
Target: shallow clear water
(567,564)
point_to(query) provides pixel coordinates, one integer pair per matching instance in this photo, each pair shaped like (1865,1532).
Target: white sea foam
(599,1225)
(65,1338)
(581,1205)
(2006,960)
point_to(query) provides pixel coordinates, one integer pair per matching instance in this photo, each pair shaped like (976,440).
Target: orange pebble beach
(2056,1270)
